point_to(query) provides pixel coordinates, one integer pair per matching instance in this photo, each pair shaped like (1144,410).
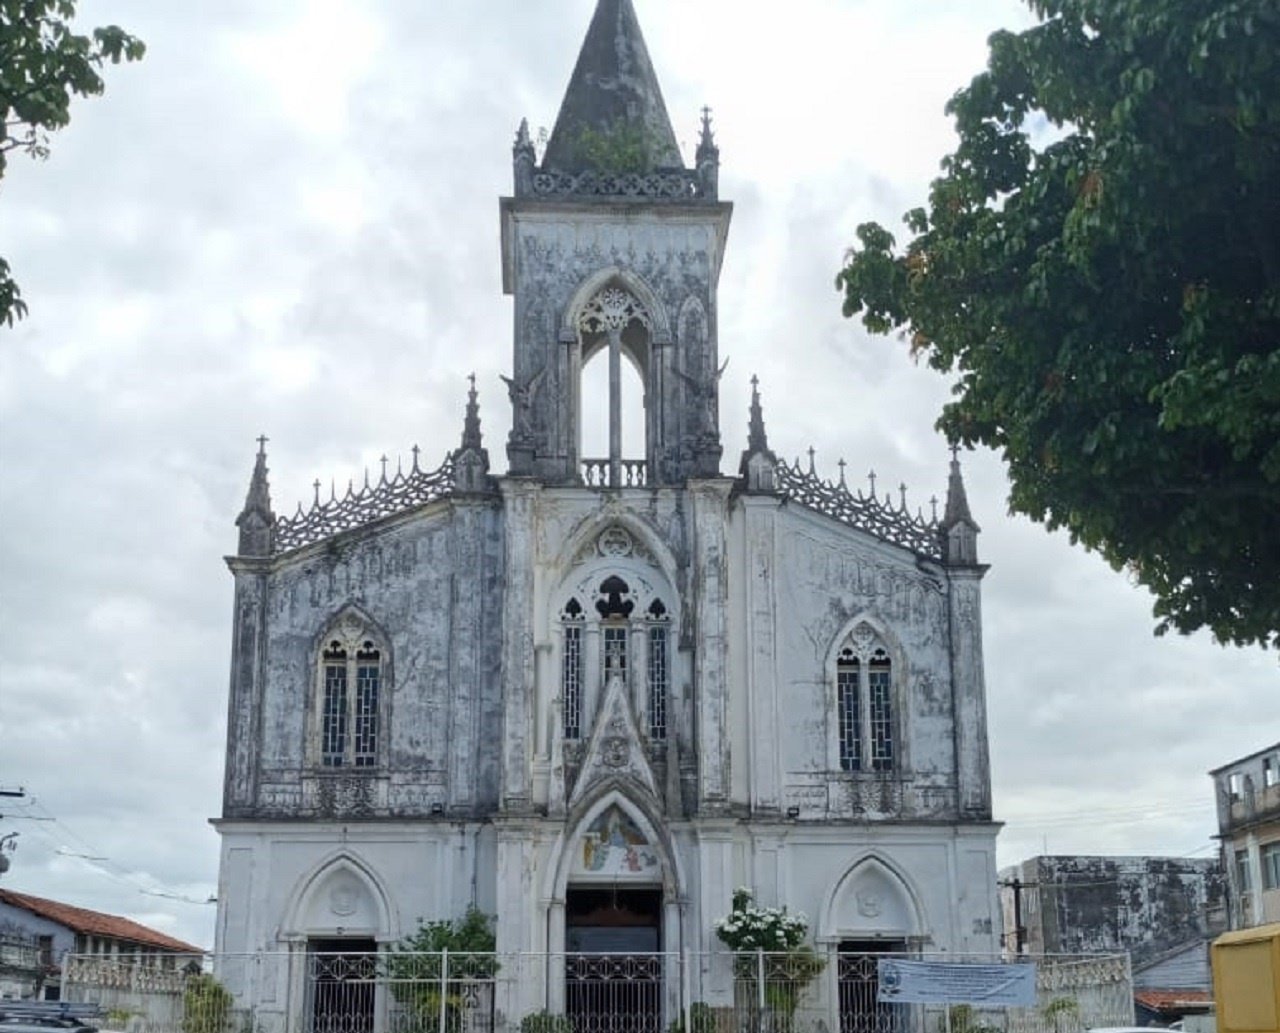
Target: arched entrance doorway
(615,933)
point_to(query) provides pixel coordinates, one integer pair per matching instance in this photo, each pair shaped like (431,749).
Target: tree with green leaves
(43,64)
(1099,266)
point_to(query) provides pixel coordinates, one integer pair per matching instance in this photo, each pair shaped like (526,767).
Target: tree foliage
(43,64)
(430,971)
(1099,264)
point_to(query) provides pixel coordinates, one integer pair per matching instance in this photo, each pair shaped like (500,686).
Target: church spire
(471,460)
(959,529)
(613,102)
(256,521)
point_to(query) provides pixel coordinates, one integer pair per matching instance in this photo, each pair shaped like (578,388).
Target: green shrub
(545,1022)
(702,1019)
(206,1005)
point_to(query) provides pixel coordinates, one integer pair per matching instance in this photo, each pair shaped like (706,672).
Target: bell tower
(611,244)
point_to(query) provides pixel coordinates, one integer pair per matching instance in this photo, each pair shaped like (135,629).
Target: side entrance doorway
(341,977)
(613,964)
(858,983)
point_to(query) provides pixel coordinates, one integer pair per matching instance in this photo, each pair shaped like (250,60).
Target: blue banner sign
(953,982)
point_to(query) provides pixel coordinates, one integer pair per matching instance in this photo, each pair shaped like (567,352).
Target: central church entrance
(613,968)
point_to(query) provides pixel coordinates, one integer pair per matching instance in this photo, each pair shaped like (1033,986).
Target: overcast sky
(285,221)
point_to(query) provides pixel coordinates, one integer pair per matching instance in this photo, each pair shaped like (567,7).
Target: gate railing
(826,990)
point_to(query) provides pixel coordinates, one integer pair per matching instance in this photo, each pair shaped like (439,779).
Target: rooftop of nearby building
(1165,1000)
(1247,759)
(95,923)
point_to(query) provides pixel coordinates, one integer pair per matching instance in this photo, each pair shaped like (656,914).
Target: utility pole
(9,842)
(1019,930)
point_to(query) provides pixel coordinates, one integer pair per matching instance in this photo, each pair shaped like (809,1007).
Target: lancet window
(571,674)
(659,670)
(351,698)
(865,718)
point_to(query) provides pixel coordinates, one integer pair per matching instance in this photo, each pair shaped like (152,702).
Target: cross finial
(472,377)
(755,380)
(262,444)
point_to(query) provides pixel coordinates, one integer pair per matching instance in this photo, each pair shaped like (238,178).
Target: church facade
(617,685)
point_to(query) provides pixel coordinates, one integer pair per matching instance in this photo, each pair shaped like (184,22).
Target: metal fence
(370,991)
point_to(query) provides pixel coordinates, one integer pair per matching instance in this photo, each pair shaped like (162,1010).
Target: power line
(97,861)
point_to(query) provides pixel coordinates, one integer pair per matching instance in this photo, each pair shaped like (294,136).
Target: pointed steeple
(613,97)
(471,460)
(959,529)
(759,464)
(256,521)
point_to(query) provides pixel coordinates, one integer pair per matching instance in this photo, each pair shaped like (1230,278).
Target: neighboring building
(1248,796)
(55,930)
(1174,984)
(593,695)
(20,967)
(1080,904)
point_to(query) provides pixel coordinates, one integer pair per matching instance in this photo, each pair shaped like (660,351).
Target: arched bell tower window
(351,696)
(614,319)
(865,718)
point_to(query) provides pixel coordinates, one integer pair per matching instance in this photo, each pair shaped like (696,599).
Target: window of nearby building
(1270,772)
(44,950)
(1243,883)
(1271,866)
(865,717)
(351,696)
(1235,785)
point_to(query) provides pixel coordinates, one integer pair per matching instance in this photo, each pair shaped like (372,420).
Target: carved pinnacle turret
(256,521)
(959,530)
(759,464)
(524,159)
(707,160)
(471,460)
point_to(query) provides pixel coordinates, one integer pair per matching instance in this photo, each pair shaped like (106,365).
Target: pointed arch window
(351,697)
(617,624)
(864,705)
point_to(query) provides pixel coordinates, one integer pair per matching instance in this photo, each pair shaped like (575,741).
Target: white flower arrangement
(750,928)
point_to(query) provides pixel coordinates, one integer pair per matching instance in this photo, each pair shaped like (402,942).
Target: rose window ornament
(613,309)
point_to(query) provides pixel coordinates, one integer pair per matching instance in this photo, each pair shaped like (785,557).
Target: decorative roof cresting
(463,471)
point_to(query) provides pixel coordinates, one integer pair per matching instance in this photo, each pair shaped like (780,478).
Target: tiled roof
(1159,1000)
(95,923)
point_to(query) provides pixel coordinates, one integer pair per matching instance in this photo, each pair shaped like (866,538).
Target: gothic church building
(591,686)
